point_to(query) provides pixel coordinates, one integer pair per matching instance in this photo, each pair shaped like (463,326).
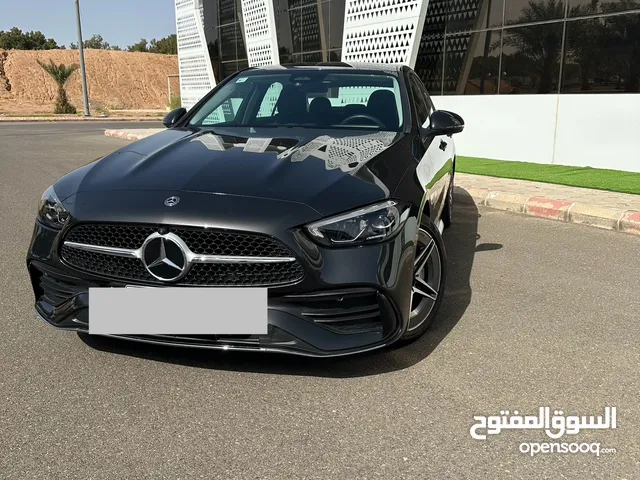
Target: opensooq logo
(555,426)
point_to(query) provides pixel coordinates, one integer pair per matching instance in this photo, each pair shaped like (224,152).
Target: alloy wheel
(427,276)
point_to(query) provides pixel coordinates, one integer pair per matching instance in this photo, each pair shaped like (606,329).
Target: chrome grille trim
(120,252)
(191,257)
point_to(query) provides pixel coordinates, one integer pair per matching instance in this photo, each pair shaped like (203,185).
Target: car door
(435,166)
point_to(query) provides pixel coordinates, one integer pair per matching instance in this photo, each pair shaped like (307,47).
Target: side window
(269,101)
(423,108)
(226,112)
(432,108)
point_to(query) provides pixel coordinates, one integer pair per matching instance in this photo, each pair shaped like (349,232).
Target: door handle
(443,145)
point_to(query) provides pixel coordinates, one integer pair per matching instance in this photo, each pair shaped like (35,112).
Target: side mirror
(173,116)
(444,122)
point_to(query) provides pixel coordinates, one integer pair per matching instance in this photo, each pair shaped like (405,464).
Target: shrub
(175,102)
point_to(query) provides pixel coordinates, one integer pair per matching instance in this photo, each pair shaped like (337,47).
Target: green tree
(96,42)
(167,45)
(540,45)
(583,41)
(141,46)
(621,38)
(60,74)
(16,39)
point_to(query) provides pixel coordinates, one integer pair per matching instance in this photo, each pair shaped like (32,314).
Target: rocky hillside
(117,80)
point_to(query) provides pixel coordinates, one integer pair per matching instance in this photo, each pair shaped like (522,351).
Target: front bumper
(349,301)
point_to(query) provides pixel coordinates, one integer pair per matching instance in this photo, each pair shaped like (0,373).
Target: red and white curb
(566,211)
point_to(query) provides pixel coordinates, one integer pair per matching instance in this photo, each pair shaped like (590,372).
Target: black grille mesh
(200,241)
(244,274)
(109,265)
(211,242)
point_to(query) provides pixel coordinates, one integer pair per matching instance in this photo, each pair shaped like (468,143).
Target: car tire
(430,275)
(447,211)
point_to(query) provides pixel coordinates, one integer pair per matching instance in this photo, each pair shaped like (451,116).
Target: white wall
(504,127)
(601,131)
(595,130)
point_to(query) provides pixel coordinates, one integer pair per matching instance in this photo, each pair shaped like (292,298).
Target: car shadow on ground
(461,245)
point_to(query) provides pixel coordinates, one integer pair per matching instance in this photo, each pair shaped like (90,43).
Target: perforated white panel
(260,32)
(383,31)
(345,153)
(196,73)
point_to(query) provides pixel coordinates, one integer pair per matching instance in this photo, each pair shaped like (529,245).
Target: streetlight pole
(85,93)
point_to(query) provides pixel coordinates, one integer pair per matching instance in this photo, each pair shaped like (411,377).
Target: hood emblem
(172,201)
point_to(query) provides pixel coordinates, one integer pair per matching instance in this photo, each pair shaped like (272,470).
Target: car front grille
(200,241)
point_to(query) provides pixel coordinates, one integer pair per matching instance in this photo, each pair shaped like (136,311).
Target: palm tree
(583,38)
(540,45)
(60,74)
(622,39)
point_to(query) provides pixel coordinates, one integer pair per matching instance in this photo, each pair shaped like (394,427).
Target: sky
(120,22)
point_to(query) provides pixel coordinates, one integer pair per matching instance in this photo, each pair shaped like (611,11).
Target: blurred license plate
(177,311)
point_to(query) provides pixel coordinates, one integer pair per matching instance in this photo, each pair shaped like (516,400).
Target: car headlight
(51,211)
(372,224)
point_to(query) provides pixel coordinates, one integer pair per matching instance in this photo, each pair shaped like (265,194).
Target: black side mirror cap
(173,116)
(444,122)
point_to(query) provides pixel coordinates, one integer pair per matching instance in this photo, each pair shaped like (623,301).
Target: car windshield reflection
(305,99)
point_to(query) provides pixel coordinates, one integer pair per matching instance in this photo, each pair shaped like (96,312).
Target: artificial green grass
(586,177)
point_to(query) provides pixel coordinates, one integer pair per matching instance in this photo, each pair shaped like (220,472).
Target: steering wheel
(364,115)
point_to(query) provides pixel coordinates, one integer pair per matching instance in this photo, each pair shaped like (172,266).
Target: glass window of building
(579,8)
(308,28)
(429,63)
(467,47)
(472,63)
(531,58)
(474,15)
(336,24)
(531,11)
(602,55)
(223,29)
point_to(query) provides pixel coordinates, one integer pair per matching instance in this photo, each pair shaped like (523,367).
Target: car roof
(394,68)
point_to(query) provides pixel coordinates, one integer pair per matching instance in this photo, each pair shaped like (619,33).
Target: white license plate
(177,311)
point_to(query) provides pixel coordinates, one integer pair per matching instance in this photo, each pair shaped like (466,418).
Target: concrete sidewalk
(597,208)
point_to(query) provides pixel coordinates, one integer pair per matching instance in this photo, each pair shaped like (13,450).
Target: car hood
(329,173)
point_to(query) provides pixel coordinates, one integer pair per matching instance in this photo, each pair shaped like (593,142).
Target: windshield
(305,98)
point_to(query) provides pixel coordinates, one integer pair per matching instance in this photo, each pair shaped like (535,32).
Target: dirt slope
(117,80)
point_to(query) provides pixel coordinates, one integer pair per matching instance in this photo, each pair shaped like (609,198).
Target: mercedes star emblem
(164,257)
(172,201)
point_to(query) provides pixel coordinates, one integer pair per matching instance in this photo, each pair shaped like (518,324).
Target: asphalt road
(538,313)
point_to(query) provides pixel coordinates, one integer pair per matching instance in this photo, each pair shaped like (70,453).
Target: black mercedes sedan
(296,209)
